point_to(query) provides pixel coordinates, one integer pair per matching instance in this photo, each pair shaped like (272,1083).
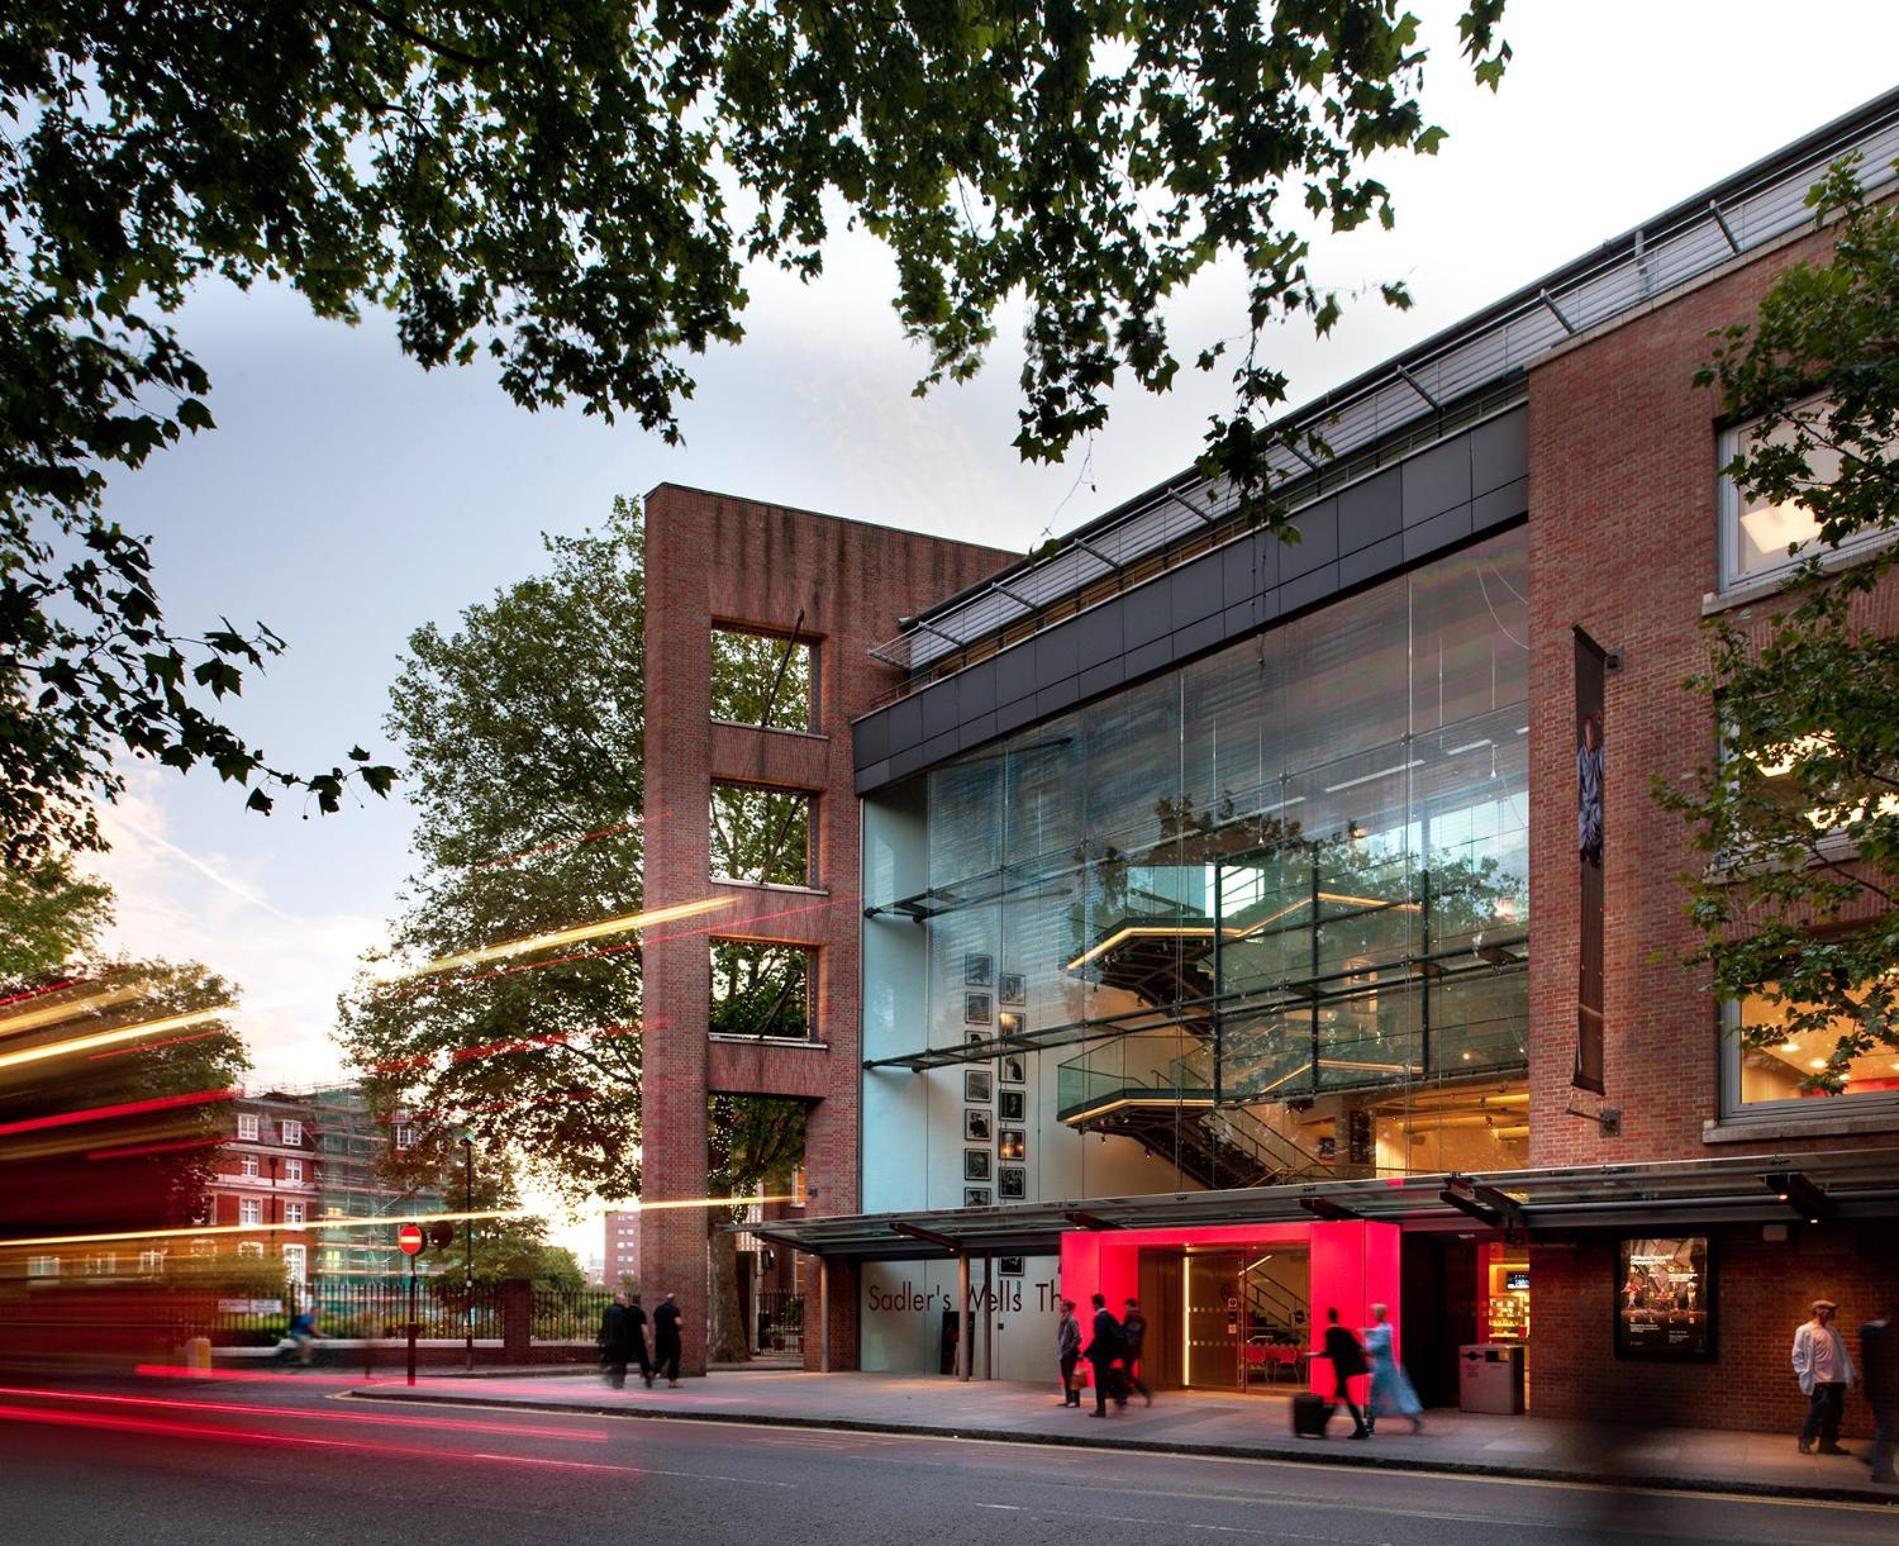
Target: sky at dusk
(347,497)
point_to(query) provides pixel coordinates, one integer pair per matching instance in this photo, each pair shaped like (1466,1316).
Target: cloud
(216,909)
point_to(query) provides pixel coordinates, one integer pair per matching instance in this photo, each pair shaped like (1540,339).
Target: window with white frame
(1760,538)
(247,1164)
(405,1136)
(250,1211)
(151,1263)
(101,1265)
(293,1135)
(247,1127)
(296,1263)
(293,1213)
(251,1250)
(42,1266)
(293,1170)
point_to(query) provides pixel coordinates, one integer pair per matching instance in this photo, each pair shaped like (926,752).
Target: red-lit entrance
(1237,1306)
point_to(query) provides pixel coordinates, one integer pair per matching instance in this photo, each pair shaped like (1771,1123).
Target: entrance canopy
(1768,1189)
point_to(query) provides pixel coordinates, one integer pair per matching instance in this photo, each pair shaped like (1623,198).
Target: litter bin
(1490,1378)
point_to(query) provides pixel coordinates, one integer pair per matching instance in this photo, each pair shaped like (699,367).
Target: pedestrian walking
(1068,1353)
(299,1343)
(1824,1370)
(615,1345)
(666,1340)
(1104,1348)
(1391,1392)
(1879,1352)
(1348,1362)
(636,1338)
(1133,1337)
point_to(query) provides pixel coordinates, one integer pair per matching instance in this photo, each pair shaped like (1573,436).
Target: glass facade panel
(1292,872)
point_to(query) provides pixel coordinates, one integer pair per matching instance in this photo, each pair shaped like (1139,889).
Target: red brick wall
(712,558)
(1623,542)
(1763,1291)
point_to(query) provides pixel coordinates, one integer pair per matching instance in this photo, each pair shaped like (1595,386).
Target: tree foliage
(572,191)
(49,915)
(524,731)
(1799,818)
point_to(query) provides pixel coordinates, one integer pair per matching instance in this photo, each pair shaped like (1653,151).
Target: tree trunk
(726,1338)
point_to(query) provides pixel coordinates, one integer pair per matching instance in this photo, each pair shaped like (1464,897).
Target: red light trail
(130,1108)
(556,847)
(371,1419)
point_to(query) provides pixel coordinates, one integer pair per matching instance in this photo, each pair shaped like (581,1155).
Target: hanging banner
(1590,663)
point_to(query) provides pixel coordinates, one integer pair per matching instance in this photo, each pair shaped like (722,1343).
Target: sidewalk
(1253,1427)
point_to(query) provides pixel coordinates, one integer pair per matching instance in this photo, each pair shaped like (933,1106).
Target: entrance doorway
(1226,1317)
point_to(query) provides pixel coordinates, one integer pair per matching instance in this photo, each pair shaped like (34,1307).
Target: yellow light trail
(72,1009)
(586,931)
(199,1231)
(71,1044)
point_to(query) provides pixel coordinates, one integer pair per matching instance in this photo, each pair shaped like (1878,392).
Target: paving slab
(1195,1422)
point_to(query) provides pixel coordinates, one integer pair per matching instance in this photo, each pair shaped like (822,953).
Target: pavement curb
(1310,1453)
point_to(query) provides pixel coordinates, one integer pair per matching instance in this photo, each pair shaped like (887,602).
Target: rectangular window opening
(763,990)
(764,679)
(763,836)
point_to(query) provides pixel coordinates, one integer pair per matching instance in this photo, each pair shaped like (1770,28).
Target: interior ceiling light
(1816,1062)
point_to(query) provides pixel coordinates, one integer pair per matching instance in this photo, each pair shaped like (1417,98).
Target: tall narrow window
(762,835)
(247,1126)
(764,679)
(762,990)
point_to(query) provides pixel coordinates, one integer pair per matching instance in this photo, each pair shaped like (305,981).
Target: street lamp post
(468,1252)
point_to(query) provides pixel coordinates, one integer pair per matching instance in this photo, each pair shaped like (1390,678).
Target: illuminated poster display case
(1665,1305)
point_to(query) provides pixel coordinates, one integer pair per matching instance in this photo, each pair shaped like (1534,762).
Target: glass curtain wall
(1292,870)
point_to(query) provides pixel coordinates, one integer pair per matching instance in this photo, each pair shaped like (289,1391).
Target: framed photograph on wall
(979,971)
(1664,1298)
(1012,1143)
(1010,1022)
(1010,1267)
(978,1127)
(975,1164)
(975,1009)
(975,1197)
(1010,1105)
(979,1085)
(1012,988)
(1015,1069)
(1012,1181)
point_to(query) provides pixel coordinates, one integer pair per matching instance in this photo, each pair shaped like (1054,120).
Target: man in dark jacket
(666,1340)
(614,1345)
(1068,1352)
(1133,1335)
(636,1339)
(1348,1361)
(1103,1349)
(1879,1380)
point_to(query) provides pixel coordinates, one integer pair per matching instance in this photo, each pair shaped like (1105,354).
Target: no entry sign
(410,1238)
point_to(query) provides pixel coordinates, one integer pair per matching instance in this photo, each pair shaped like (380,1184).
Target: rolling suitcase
(1309,1413)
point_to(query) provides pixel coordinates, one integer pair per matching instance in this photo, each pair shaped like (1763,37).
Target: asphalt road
(156,1462)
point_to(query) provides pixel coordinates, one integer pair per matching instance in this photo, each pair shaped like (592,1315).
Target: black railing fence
(444,1308)
(569,1314)
(780,1326)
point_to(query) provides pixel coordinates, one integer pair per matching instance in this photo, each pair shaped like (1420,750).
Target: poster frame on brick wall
(1672,1339)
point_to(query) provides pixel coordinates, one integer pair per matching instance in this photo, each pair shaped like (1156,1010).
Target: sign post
(411,1240)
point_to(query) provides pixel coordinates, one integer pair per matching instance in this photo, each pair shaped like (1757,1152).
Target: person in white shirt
(1821,1363)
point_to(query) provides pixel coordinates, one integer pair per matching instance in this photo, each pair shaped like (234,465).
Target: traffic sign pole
(411,1319)
(410,1239)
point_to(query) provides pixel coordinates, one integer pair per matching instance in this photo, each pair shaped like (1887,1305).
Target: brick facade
(716,560)
(1624,543)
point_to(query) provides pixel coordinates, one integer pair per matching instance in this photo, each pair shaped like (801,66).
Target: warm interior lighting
(1142,931)
(1816,1062)
(514,947)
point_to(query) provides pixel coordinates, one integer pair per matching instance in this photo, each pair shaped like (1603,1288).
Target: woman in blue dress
(1391,1392)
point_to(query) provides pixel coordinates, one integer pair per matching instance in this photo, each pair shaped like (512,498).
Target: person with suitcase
(1348,1361)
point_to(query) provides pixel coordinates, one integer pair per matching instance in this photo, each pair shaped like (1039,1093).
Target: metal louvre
(1854,1185)
(1753,207)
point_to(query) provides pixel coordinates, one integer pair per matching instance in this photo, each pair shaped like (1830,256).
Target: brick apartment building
(1192,914)
(621,1259)
(292,1157)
